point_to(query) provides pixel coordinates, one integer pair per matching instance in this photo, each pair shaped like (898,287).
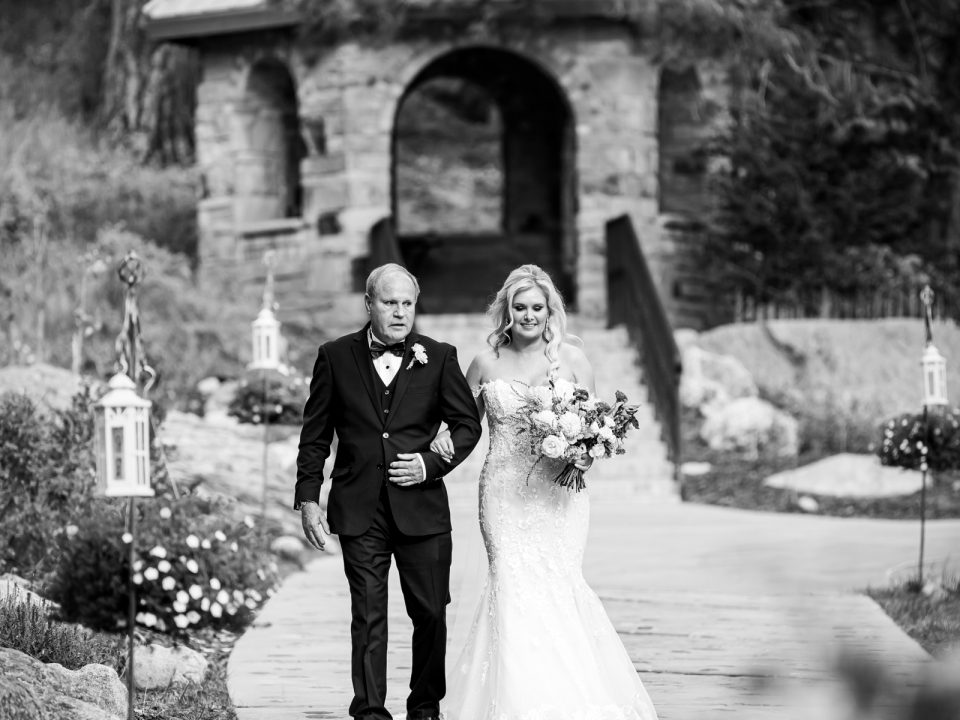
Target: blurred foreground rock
(157,667)
(94,692)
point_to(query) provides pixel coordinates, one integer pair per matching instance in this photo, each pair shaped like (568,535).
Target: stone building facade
(296,144)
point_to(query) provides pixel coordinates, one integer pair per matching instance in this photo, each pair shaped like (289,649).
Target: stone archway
(270,146)
(512,133)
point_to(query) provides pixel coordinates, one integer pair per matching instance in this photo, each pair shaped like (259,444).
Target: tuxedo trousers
(423,564)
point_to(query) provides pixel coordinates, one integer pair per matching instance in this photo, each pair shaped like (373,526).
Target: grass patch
(934,622)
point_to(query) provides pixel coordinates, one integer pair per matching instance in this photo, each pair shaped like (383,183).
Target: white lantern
(266,341)
(123,441)
(934,376)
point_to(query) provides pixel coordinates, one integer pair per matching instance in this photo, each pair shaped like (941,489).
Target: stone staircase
(644,470)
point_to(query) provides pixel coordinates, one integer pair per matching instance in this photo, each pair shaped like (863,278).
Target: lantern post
(934,367)
(122,437)
(266,358)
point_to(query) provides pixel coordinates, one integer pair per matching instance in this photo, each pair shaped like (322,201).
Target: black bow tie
(377,349)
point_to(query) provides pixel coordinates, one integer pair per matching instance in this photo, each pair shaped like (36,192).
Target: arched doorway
(483,177)
(271,146)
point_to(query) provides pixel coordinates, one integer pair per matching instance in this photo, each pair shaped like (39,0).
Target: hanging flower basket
(909,443)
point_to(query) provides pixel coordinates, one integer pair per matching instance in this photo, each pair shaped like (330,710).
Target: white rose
(607,421)
(594,429)
(570,425)
(598,451)
(553,446)
(545,419)
(606,434)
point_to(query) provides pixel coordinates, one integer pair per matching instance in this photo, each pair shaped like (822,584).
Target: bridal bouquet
(564,422)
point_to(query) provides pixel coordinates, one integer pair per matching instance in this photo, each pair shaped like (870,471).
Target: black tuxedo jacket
(344,399)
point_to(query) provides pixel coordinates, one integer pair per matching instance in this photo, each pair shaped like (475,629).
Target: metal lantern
(266,340)
(123,440)
(934,376)
(266,328)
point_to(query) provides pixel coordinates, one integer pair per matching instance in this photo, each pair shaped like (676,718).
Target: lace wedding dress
(541,646)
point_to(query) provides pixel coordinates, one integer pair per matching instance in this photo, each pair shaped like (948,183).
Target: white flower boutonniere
(419,355)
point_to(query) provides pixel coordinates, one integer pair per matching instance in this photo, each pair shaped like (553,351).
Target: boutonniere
(419,355)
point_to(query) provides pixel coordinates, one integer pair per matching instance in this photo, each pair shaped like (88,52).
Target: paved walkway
(724,612)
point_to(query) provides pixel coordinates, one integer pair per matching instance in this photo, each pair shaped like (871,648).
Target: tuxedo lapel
(361,353)
(403,377)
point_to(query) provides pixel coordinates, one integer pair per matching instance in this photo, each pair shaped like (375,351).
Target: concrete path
(724,612)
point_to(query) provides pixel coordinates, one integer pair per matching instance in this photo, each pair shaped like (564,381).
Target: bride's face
(529,314)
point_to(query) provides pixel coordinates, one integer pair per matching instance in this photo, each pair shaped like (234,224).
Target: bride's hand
(442,445)
(584,463)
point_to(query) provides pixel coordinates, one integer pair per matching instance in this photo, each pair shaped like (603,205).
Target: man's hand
(313,520)
(406,470)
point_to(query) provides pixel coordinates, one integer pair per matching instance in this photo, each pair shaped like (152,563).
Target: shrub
(284,399)
(198,565)
(908,442)
(27,627)
(46,478)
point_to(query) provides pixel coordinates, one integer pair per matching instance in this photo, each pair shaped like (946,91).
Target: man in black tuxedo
(385,391)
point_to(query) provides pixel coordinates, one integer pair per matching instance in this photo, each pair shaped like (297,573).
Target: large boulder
(47,385)
(751,426)
(711,380)
(156,666)
(94,692)
(18,702)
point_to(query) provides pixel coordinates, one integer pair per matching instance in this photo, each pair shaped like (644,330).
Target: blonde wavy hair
(527,277)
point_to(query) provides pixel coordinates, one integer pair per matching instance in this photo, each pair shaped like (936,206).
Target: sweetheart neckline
(521,382)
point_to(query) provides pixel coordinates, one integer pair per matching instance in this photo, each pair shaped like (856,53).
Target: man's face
(392,308)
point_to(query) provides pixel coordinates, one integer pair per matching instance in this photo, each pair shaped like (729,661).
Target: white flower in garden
(168,583)
(165,513)
(151,573)
(214,583)
(193,616)
(138,579)
(146,618)
(181,621)
(164,566)
(158,552)
(261,574)
(251,603)
(205,544)
(553,446)
(195,592)
(216,610)
(138,566)
(220,536)
(182,597)
(231,609)
(205,604)
(271,592)
(570,425)
(127,538)
(193,541)
(72,530)
(234,546)
(238,596)
(223,597)
(248,521)
(255,595)
(192,566)
(545,419)
(180,607)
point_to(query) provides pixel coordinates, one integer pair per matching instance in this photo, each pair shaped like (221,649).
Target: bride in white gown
(541,646)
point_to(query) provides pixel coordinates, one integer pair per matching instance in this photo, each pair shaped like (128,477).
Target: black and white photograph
(479,359)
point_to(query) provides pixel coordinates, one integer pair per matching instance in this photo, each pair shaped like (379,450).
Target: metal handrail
(633,300)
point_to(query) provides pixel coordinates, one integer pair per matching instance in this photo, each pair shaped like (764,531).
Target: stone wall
(347,98)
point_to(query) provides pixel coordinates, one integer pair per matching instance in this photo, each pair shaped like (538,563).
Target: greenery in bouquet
(276,395)
(199,564)
(909,442)
(565,423)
